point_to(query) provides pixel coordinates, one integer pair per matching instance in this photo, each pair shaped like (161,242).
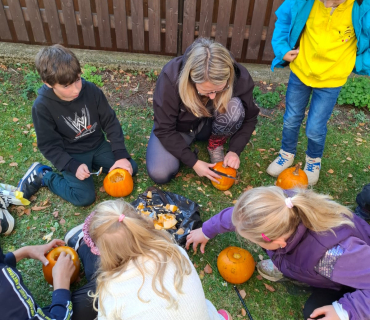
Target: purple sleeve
(352,269)
(220,223)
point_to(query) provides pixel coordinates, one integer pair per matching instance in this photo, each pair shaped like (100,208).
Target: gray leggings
(162,166)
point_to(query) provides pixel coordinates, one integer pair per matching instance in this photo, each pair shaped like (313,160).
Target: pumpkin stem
(237,256)
(297,167)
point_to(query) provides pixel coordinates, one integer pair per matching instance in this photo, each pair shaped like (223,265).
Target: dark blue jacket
(17,302)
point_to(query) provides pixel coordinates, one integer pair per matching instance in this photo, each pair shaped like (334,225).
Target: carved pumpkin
(236,265)
(118,183)
(293,177)
(53,256)
(225,182)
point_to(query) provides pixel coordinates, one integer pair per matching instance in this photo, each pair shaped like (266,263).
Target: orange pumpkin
(118,183)
(236,265)
(293,177)
(225,182)
(53,256)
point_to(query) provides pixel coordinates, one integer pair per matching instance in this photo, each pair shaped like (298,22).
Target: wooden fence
(149,26)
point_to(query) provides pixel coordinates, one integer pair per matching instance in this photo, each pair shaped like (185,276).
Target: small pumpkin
(53,256)
(225,182)
(236,265)
(293,177)
(118,183)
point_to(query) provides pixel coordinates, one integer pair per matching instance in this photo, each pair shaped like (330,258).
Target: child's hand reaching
(291,55)
(63,271)
(196,237)
(82,172)
(124,164)
(328,312)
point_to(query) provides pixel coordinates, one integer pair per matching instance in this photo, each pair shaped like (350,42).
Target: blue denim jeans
(321,107)
(82,192)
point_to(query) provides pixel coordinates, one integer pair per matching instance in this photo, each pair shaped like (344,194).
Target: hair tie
(121,217)
(264,237)
(289,203)
(87,239)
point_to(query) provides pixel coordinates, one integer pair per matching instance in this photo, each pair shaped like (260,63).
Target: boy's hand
(63,271)
(82,172)
(328,312)
(232,160)
(196,237)
(291,55)
(124,164)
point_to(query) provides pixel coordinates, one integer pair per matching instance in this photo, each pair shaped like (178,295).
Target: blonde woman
(142,273)
(202,95)
(309,238)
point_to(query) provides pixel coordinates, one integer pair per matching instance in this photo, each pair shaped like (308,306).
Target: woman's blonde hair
(131,240)
(207,61)
(263,210)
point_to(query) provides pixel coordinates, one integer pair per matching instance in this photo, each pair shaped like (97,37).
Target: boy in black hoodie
(70,115)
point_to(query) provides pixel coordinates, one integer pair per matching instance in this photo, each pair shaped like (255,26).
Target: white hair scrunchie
(289,203)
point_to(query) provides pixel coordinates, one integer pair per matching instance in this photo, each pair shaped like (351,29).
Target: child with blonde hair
(142,273)
(309,238)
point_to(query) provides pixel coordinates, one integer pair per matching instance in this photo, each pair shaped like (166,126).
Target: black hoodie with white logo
(77,126)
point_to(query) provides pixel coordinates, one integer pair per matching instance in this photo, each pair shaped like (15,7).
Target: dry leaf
(15,119)
(77,213)
(46,202)
(127,137)
(235,201)
(101,189)
(13,164)
(269,288)
(242,293)
(244,313)
(48,236)
(62,222)
(254,133)
(248,188)
(261,150)
(349,159)
(201,274)
(258,165)
(150,99)
(36,208)
(350,176)
(150,92)
(228,193)
(208,269)
(259,277)
(52,229)
(260,256)
(330,171)
(55,214)
(27,212)
(33,198)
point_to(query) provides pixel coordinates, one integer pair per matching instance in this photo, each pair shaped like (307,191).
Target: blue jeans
(82,192)
(321,107)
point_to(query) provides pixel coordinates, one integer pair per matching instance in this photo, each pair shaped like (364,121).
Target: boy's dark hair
(57,64)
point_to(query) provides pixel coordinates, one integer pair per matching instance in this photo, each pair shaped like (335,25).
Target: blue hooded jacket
(291,19)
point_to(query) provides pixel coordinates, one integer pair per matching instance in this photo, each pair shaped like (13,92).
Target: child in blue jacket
(324,41)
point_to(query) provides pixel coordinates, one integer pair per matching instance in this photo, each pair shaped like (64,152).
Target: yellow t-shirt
(327,50)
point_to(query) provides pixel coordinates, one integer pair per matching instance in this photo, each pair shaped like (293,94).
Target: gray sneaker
(267,270)
(217,154)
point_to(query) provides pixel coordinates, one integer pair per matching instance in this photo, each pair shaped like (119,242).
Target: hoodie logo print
(81,125)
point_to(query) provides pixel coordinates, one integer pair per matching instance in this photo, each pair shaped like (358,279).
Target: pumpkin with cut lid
(118,183)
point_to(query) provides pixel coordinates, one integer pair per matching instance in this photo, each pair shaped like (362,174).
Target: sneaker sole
(271,174)
(10,220)
(272,278)
(32,167)
(71,233)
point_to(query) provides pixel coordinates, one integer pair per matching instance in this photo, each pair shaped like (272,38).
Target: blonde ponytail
(263,210)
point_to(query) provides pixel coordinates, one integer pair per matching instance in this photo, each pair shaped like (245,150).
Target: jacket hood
(49,93)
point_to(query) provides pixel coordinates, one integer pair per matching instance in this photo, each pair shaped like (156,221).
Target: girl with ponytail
(309,238)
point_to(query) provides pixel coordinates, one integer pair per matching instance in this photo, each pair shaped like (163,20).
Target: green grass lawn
(347,154)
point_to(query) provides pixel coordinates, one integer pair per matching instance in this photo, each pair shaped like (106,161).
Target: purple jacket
(321,259)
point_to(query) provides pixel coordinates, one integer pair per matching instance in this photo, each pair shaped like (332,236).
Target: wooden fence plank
(268,52)
(103,23)
(188,29)
(120,22)
(70,24)
(171,25)
(137,17)
(240,19)
(52,16)
(35,20)
(223,18)
(255,33)
(18,20)
(205,23)
(154,15)
(86,23)
(4,27)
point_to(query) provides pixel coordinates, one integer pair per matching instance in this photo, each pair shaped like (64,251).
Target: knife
(223,174)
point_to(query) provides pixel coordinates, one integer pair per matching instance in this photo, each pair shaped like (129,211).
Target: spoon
(97,172)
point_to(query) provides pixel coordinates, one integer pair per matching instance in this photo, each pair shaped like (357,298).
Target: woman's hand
(196,237)
(328,312)
(63,271)
(202,170)
(291,55)
(232,160)
(124,164)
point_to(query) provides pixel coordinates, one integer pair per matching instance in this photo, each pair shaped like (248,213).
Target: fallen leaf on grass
(55,214)
(33,198)
(242,293)
(244,313)
(27,212)
(258,165)
(330,171)
(77,213)
(259,277)
(201,274)
(349,159)
(46,202)
(101,189)
(13,164)
(260,256)
(269,288)
(62,222)
(15,119)
(261,150)
(350,176)
(36,208)
(48,236)
(248,188)
(228,193)
(208,269)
